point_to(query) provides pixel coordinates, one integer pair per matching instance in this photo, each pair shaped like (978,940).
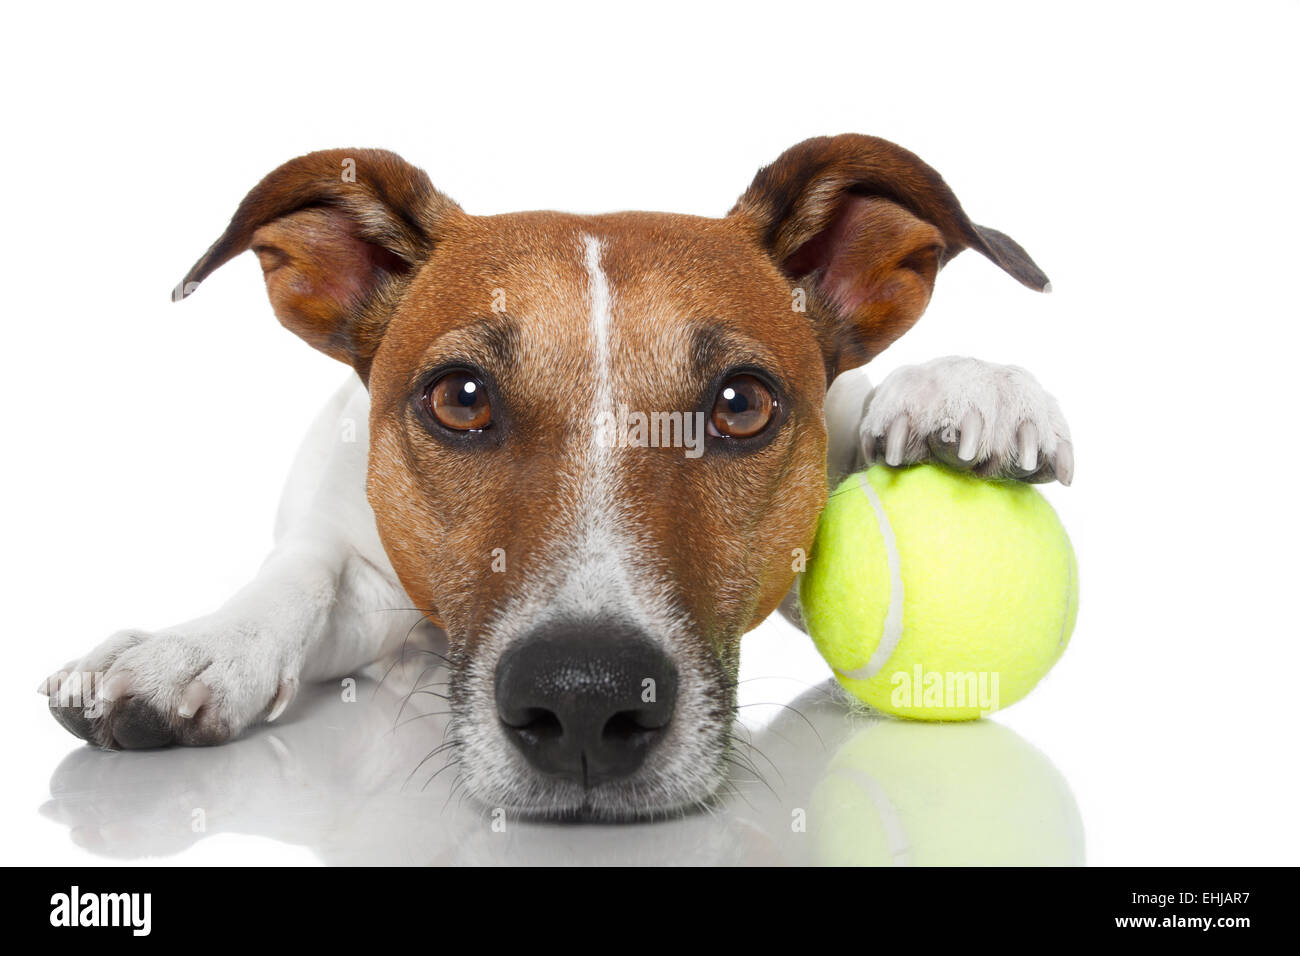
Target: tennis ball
(901,793)
(937,595)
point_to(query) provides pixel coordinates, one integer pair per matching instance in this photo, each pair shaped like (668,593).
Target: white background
(1145,155)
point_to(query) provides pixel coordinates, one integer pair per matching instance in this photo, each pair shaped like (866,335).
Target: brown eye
(743,408)
(459,400)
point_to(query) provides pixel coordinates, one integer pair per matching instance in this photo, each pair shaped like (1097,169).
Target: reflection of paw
(198,684)
(994,420)
(332,753)
(149,802)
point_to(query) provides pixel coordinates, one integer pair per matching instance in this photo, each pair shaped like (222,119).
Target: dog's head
(598,450)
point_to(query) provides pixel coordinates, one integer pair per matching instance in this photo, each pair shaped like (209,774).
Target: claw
(194,696)
(70,688)
(1064,462)
(1028,452)
(283,698)
(115,686)
(50,686)
(868,450)
(971,428)
(896,441)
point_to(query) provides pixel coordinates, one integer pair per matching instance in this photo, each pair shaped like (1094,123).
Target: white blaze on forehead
(594,566)
(598,572)
(601,319)
(598,576)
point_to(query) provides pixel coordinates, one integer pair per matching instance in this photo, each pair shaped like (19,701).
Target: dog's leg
(993,420)
(324,603)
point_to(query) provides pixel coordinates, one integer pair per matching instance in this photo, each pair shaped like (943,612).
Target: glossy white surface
(359,782)
(1144,154)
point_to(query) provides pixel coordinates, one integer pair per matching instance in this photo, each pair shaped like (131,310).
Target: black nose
(586,702)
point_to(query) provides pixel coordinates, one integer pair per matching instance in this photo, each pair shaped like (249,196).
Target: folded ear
(338,234)
(863,226)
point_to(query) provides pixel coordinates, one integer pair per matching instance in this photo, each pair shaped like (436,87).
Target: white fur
(935,397)
(327,602)
(846,401)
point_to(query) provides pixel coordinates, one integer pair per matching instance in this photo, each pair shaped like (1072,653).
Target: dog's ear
(338,233)
(863,227)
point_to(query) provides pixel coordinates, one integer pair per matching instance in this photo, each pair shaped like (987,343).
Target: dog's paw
(199,684)
(994,420)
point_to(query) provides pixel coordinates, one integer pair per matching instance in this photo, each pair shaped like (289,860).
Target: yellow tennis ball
(900,793)
(937,595)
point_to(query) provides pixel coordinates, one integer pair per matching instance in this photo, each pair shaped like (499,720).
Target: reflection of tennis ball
(937,595)
(909,794)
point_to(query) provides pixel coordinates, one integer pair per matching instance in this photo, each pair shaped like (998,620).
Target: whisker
(454,785)
(401,655)
(796,680)
(707,804)
(429,693)
(425,759)
(758,750)
(450,763)
(736,760)
(429,652)
(793,710)
(407,699)
(735,791)
(434,713)
(464,795)
(770,762)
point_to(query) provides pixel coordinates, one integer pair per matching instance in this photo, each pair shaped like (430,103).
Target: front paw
(994,420)
(191,686)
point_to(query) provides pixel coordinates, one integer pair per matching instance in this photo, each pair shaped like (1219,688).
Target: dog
(592,590)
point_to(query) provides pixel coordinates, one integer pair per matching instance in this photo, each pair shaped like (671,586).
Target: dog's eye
(743,408)
(459,401)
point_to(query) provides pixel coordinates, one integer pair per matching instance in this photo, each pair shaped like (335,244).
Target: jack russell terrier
(592,586)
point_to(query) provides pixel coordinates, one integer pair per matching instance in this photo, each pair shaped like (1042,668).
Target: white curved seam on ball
(1069,592)
(893,631)
(900,848)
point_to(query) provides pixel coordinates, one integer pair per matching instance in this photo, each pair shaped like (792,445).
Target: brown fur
(724,528)
(388,274)
(866,225)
